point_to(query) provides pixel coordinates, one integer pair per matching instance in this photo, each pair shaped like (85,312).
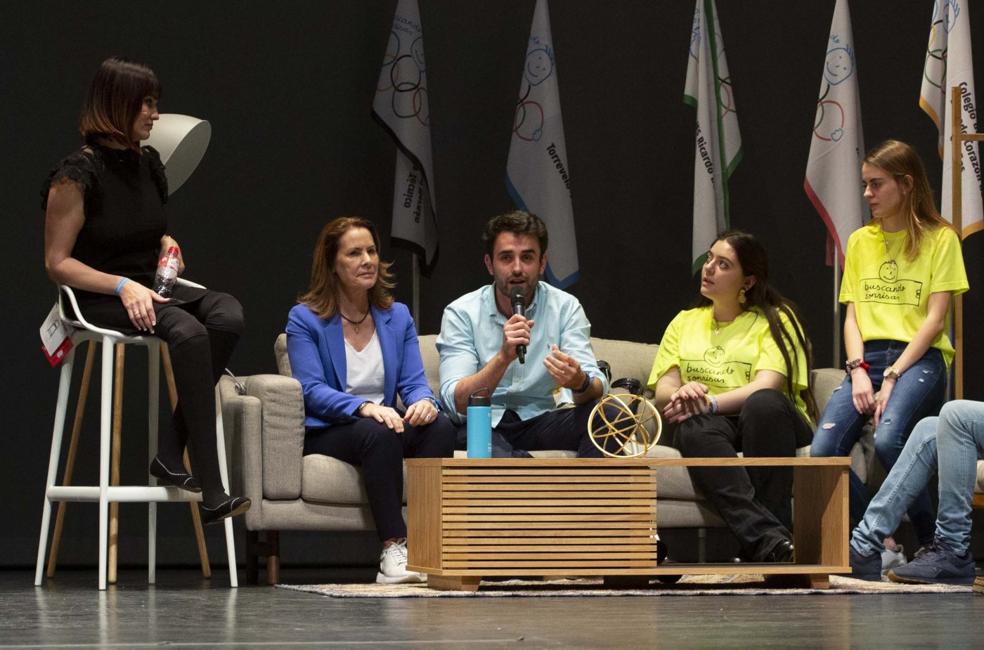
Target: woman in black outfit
(105,229)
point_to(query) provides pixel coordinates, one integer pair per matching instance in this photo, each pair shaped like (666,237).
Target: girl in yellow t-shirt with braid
(733,374)
(899,273)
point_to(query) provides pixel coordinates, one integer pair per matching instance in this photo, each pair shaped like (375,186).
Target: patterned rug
(719,585)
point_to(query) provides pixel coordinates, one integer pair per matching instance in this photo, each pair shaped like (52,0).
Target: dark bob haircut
(115,99)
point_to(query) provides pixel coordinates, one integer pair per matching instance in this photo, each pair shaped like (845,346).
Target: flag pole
(415,284)
(837,313)
(956,201)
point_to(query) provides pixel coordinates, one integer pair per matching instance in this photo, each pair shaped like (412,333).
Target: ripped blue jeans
(918,393)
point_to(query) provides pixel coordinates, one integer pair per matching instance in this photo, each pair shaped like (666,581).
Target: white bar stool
(104,493)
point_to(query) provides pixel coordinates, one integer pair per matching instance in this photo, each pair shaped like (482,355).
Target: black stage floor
(183,610)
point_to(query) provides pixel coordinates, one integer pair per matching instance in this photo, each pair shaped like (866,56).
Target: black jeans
(753,502)
(380,452)
(201,335)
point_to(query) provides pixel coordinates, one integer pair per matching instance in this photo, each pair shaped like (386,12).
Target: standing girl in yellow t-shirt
(899,273)
(733,374)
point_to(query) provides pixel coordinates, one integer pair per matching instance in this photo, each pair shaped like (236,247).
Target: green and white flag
(949,63)
(708,89)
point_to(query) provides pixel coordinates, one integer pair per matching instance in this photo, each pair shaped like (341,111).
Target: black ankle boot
(216,510)
(781,551)
(181,479)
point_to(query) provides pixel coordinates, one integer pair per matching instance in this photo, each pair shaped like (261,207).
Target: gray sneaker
(865,567)
(937,565)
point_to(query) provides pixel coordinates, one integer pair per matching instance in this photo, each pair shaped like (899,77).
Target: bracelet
(583,387)
(119,285)
(854,364)
(359,408)
(712,402)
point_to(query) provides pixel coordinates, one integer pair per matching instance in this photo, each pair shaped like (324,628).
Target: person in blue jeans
(899,274)
(951,445)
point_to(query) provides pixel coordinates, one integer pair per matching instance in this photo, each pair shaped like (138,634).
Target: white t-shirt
(364,371)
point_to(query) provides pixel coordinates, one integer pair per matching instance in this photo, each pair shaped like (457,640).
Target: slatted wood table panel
(469,518)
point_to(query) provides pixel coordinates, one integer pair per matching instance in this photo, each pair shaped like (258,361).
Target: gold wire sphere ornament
(631,421)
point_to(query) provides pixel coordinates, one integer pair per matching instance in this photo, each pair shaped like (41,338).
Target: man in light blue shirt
(480,334)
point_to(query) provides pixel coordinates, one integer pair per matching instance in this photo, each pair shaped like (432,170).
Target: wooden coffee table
(469,518)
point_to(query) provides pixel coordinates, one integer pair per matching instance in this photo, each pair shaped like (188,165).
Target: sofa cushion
(331,481)
(626,358)
(825,382)
(280,354)
(673,482)
(432,362)
(282,422)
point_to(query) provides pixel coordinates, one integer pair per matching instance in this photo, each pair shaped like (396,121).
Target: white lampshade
(181,141)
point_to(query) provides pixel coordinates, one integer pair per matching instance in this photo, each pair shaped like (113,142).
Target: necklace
(355,323)
(889,254)
(716,325)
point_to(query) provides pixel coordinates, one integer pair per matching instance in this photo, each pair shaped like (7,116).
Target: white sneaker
(893,559)
(393,566)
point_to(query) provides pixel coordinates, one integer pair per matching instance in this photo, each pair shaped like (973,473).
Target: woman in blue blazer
(354,350)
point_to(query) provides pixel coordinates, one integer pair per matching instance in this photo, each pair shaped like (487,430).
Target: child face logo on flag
(539,66)
(838,66)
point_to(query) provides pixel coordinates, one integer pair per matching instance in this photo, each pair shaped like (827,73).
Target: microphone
(518,298)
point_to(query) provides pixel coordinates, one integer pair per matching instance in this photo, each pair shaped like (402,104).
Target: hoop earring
(741,296)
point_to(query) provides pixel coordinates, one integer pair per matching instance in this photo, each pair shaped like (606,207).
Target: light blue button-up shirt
(471,334)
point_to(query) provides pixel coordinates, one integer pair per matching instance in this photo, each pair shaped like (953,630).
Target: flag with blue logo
(538,176)
(833,170)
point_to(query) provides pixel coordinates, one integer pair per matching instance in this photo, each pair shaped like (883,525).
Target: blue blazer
(316,348)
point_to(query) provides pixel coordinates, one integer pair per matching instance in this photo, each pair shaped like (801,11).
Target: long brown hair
(918,207)
(753,261)
(322,294)
(115,98)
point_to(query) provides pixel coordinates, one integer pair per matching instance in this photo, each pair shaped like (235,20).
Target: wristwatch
(891,372)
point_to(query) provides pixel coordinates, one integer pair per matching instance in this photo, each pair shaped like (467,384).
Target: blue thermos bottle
(479,424)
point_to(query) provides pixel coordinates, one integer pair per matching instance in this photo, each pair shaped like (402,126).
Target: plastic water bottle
(167,272)
(479,424)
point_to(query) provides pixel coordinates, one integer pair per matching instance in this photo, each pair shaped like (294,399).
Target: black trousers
(754,502)
(380,452)
(565,428)
(201,335)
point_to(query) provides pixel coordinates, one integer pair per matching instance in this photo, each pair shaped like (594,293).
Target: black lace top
(124,195)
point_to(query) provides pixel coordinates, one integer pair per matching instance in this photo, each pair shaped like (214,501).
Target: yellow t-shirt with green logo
(729,358)
(891,293)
